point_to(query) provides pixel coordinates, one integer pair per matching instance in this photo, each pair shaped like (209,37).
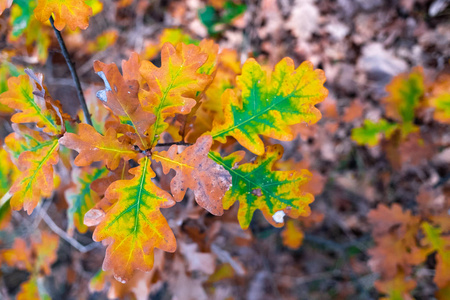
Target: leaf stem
(73,72)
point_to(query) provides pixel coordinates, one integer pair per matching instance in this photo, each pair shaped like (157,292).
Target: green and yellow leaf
(370,133)
(441,244)
(33,108)
(269,107)
(133,226)
(405,91)
(174,86)
(92,146)
(81,198)
(36,179)
(257,186)
(195,170)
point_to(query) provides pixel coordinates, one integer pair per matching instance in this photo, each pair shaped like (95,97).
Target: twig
(174,143)
(73,72)
(73,242)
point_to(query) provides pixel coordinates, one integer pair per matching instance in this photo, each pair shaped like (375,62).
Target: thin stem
(73,72)
(174,143)
(76,244)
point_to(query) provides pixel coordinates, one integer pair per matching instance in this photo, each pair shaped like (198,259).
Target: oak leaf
(92,146)
(436,242)
(73,13)
(404,94)
(257,186)
(174,86)
(121,96)
(370,133)
(36,179)
(133,226)
(269,107)
(195,170)
(81,198)
(22,96)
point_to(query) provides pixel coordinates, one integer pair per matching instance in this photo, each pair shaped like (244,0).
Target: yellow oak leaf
(133,226)
(73,13)
(195,170)
(269,107)
(92,146)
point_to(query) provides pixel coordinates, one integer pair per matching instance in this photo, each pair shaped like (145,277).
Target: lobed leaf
(121,96)
(173,87)
(92,146)
(441,244)
(370,133)
(36,179)
(405,91)
(195,170)
(73,13)
(269,107)
(81,198)
(133,226)
(257,186)
(22,96)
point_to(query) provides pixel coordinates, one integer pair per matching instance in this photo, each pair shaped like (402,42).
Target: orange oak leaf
(18,256)
(92,146)
(133,226)
(36,179)
(36,259)
(174,86)
(195,170)
(73,13)
(121,96)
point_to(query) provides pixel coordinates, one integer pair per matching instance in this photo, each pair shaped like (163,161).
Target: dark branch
(73,72)
(174,143)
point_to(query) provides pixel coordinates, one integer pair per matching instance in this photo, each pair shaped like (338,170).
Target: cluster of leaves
(408,96)
(196,101)
(405,240)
